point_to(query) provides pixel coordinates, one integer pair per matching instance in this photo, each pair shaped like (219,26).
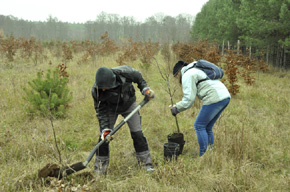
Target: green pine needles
(49,95)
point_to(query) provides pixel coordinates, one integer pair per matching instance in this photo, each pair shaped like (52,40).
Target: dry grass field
(251,151)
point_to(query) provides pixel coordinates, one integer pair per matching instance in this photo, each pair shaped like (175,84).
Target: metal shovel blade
(74,168)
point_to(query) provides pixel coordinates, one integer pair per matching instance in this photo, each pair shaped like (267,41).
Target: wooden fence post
(238,47)
(223,47)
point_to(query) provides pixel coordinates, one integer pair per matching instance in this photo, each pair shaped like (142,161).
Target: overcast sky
(80,11)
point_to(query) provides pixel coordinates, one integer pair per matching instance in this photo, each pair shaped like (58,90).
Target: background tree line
(157,28)
(258,24)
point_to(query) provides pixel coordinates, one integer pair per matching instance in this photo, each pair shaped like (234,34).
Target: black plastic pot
(177,138)
(171,151)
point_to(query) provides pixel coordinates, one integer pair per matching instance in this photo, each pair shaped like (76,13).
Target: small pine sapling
(51,90)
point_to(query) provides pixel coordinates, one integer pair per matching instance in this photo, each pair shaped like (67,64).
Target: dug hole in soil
(49,170)
(53,170)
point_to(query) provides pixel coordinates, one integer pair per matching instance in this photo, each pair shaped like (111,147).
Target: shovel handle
(145,100)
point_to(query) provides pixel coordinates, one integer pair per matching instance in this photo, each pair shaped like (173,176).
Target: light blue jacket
(209,91)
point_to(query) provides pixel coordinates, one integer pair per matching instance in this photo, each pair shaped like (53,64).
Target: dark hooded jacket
(119,94)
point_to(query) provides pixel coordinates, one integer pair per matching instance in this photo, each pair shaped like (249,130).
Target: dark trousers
(139,140)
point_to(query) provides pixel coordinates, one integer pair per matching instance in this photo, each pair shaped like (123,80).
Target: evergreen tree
(49,94)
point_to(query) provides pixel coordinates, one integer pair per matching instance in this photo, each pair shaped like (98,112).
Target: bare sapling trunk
(165,77)
(52,126)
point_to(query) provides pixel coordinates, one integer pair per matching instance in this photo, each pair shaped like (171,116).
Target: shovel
(82,165)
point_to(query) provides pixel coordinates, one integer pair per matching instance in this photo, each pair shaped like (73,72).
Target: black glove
(174,111)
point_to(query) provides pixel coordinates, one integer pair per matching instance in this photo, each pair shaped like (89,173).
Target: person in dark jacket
(114,94)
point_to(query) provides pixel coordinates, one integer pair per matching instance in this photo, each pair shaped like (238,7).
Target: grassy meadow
(252,137)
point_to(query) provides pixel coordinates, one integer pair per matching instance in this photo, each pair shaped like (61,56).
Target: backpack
(211,70)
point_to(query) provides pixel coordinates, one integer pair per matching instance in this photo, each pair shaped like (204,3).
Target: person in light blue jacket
(214,95)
